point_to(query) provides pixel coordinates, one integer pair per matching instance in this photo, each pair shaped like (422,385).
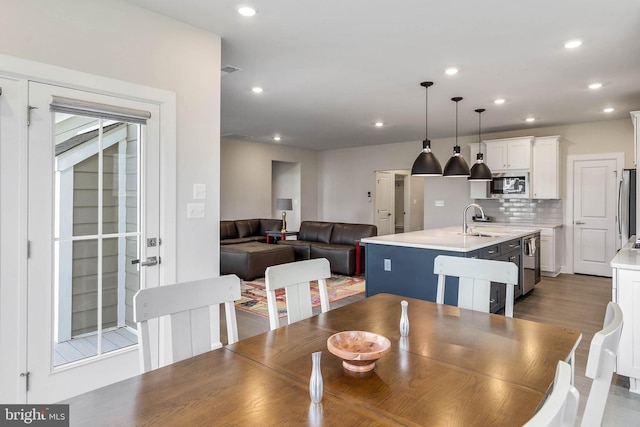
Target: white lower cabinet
(551,250)
(626,292)
(546,252)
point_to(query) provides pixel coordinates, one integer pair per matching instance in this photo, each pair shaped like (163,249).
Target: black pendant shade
(480,171)
(426,164)
(457,165)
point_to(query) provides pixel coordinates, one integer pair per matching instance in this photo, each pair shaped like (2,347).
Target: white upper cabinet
(508,154)
(545,170)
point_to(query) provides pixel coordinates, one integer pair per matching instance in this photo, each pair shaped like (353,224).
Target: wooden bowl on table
(358,350)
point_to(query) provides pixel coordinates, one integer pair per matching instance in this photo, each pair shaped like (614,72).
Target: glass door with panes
(93,214)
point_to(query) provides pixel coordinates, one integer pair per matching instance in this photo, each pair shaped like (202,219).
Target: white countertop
(451,238)
(627,258)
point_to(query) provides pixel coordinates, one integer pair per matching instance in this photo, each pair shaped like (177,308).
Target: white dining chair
(601,365)
(475,277)
(561,405)
(194,312)
(295,278)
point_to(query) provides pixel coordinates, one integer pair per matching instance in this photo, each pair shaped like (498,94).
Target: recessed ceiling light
(256,89)
(572,44)
(378,124)
(499,101)
(276,138)
(530,119)
(595,85)
(451,71)
(608,110)
(247,11)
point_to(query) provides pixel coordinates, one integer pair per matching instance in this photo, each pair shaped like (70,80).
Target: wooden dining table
(456,368)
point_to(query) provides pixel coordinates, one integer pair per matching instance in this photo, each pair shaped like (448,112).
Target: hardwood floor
(573,301)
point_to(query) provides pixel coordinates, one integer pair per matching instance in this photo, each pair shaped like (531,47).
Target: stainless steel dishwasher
(530,261)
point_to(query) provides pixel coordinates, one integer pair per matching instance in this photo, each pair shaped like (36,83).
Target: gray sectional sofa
(336,241)
(243,248)
(247,230)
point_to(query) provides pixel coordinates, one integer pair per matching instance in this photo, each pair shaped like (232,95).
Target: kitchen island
(402,264)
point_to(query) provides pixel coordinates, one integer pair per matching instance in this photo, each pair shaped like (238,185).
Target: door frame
(14,305)
(568,266)
(414,212)
(377,198)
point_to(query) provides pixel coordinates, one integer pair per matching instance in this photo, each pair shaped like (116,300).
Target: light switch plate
(439,203)
(195,210)
(387,264)
(199,191)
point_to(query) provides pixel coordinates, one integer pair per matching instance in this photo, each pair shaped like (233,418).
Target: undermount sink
(483,234)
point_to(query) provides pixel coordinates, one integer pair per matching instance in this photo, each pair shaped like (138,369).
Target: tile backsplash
(523,210)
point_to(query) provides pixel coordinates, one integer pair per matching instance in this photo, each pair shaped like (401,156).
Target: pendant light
(426,164)
(457,165)
(480,171)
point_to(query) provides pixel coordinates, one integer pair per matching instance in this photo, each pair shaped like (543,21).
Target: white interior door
(384,197)
(594,215)
(93,201)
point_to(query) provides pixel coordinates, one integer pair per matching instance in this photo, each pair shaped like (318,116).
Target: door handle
(579,222)
(151,261)
(620,208)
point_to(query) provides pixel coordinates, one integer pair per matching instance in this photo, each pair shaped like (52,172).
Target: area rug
(254,297)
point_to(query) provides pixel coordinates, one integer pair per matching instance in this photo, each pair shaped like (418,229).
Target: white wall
(246,172)
(125,42)
(607,136)
(416,203)
(120,41)
(286,185)
(345,175)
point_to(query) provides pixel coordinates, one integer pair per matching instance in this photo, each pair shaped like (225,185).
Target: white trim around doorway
(13,185)
(568,267)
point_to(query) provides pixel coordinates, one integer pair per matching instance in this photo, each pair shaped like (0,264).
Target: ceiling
(331,68)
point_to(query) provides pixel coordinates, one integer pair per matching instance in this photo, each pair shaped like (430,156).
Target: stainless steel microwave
(509,185)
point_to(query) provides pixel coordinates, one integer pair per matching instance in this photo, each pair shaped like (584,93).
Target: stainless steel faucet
(465,229)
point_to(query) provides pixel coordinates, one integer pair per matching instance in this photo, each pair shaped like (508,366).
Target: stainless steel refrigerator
(627,205)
